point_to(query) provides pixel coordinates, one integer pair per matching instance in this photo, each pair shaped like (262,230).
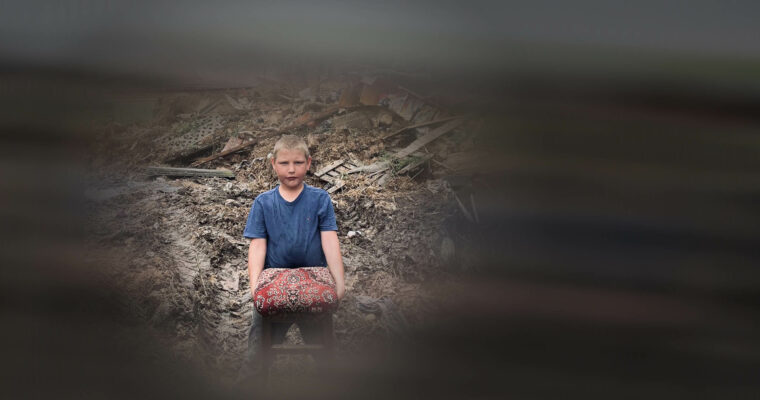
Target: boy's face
(290,167)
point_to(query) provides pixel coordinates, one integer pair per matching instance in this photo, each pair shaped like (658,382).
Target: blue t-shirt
(292,228)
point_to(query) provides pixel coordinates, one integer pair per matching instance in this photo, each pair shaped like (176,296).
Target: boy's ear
(308,163)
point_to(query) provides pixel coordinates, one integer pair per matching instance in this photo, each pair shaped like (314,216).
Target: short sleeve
(327,215)
(255,227)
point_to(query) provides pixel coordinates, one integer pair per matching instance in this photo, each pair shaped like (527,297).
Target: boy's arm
(256,255)
(331,248)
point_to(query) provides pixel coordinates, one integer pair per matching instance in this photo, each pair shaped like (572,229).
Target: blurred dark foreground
(617,184)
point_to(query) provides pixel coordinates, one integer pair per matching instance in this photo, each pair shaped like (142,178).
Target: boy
(290,226)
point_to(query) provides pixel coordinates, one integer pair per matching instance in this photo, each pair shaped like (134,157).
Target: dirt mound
(189,276)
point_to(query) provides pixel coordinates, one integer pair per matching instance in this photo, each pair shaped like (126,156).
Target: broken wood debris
(402,166)
(209,262)
(463,208)
(316,118)
(332,173)
(411,150)
(420,125)
(474,208)
(249,143)
(328,167)
(427,138)
(232,142)
(234,149)
(443,165)
(376,167)
(419,160)
(170,171)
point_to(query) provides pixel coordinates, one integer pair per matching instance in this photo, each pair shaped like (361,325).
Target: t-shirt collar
(290,203)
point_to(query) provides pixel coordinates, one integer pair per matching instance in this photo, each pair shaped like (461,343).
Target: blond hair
(290,142)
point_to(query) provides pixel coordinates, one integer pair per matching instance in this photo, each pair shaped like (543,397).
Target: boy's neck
(289,194)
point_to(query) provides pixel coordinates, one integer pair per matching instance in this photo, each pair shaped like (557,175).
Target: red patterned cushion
(307,290)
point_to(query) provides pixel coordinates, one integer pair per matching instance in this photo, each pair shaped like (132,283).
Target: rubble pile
(175,240)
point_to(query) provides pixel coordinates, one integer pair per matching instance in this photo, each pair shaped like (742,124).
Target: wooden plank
(338,185)
(420,125)
(328,167)
(384,178)
(413,165)
(374,178)
(168,171)
(462,207)
(378,166)
(333,173)
(342,169)
(227,152)
(235,149)
(429,137)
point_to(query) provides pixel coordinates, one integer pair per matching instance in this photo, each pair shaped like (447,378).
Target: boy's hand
(256,255)
(340,289)
(331,247)
(254,283)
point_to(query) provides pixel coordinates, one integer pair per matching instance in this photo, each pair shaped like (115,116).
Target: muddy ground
(176,244)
